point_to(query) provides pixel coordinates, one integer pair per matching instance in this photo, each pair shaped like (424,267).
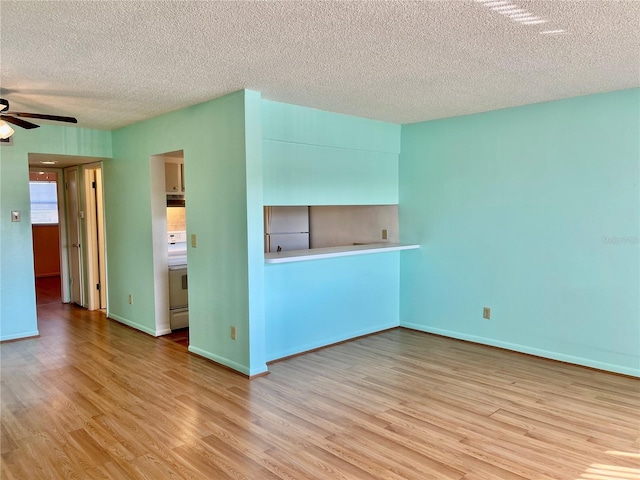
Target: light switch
(193,240)
(15,216)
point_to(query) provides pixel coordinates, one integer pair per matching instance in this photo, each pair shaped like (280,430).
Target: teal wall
(220,211)
(17,287)
(255,230)
(319,302)
(534,212)
(313,157)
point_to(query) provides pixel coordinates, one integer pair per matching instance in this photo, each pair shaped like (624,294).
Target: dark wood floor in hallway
(48,290)
(93,399)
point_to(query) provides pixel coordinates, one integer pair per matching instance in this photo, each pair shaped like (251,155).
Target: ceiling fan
(16,118)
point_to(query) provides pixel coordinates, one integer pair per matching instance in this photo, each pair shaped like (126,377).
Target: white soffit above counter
(112,64)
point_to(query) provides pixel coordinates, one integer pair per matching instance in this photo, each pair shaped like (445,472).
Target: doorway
(73,235)
(169,231)
(69,198)
(45,231)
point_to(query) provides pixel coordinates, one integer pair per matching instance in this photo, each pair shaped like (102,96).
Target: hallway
(48,290)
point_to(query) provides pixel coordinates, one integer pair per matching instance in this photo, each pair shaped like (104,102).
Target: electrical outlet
(486,313)
(233,333)
(194,242)
(130,299)
(384,234)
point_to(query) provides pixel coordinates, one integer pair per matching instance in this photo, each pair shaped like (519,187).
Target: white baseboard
(227,362)
(585,362)
(19,336)
(131,324)
(328,342)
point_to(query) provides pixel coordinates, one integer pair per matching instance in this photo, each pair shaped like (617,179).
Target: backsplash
(176,219)
(338,225)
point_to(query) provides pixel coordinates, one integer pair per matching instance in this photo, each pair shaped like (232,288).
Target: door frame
(159,244)
(94,252)
(79,203)
(68,162)
(65,293)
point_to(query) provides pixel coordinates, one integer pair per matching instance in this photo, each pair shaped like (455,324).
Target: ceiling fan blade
(41,116)
(19,122)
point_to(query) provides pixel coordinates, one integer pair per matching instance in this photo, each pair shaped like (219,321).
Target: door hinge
(93,184)
(97,286)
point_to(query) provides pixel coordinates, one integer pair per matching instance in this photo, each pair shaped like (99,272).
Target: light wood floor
(92,399)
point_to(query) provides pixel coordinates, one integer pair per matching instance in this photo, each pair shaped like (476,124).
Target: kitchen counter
(331,252)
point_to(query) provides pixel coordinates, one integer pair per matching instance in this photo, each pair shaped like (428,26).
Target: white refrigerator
(286,228)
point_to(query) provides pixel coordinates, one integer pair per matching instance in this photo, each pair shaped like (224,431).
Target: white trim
(94,216)
(102,238)
(91,243)
(19,336)
(79,224)
(226,362)
(135,325)
(159,244)
(333,252)
(65,292)
(585,362)
(330,341)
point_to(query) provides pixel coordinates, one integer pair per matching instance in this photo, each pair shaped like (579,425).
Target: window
(44,203)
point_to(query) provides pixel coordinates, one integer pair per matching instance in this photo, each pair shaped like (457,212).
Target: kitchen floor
(180,336)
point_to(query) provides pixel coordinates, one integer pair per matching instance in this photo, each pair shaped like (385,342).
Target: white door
(102,259)
(94,248)
(73,235)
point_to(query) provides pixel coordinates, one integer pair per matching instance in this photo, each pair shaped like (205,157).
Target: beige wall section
(46,250)
(176,219)
(332,226)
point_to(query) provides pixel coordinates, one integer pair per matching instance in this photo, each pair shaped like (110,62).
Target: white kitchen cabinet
(174,178)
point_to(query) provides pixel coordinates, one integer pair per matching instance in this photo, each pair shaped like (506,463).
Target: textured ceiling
(113,63)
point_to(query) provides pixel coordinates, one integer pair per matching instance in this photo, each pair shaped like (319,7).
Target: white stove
(178,280)
(177,249)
